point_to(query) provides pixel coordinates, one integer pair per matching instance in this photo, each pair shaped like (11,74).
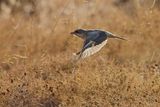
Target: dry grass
(35,67)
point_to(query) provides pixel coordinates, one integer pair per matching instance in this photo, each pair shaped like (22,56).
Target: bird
(94,41)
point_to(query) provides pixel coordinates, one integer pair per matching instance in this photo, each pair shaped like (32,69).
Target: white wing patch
(90,51)
(94,49)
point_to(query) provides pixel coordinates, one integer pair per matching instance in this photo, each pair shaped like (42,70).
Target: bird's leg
(77,56)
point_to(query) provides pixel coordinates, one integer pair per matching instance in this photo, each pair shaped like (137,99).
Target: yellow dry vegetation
(36,68)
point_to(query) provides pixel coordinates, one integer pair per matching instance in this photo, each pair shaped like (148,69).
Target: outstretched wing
(94,45)
(87,45)
(93,48)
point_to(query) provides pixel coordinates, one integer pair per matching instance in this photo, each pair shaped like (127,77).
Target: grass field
(36,51)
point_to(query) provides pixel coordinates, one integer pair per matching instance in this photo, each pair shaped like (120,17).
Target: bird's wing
(92,46)
(87,45)
(92,49)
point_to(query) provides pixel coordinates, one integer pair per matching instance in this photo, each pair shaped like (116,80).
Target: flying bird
(94,40)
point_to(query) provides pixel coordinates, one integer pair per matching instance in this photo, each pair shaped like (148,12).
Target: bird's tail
(111,35)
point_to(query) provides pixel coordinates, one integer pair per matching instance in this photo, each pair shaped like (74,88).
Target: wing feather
(91,50)
(94,49)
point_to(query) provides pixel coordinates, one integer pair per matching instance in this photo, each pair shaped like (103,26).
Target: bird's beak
(114,36)
(72,33)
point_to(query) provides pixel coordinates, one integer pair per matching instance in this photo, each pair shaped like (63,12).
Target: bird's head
(79,32)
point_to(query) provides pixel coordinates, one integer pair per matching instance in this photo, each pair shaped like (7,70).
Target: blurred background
(36,50)
(48,12)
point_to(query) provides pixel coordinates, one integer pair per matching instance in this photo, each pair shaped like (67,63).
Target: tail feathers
(111,35)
